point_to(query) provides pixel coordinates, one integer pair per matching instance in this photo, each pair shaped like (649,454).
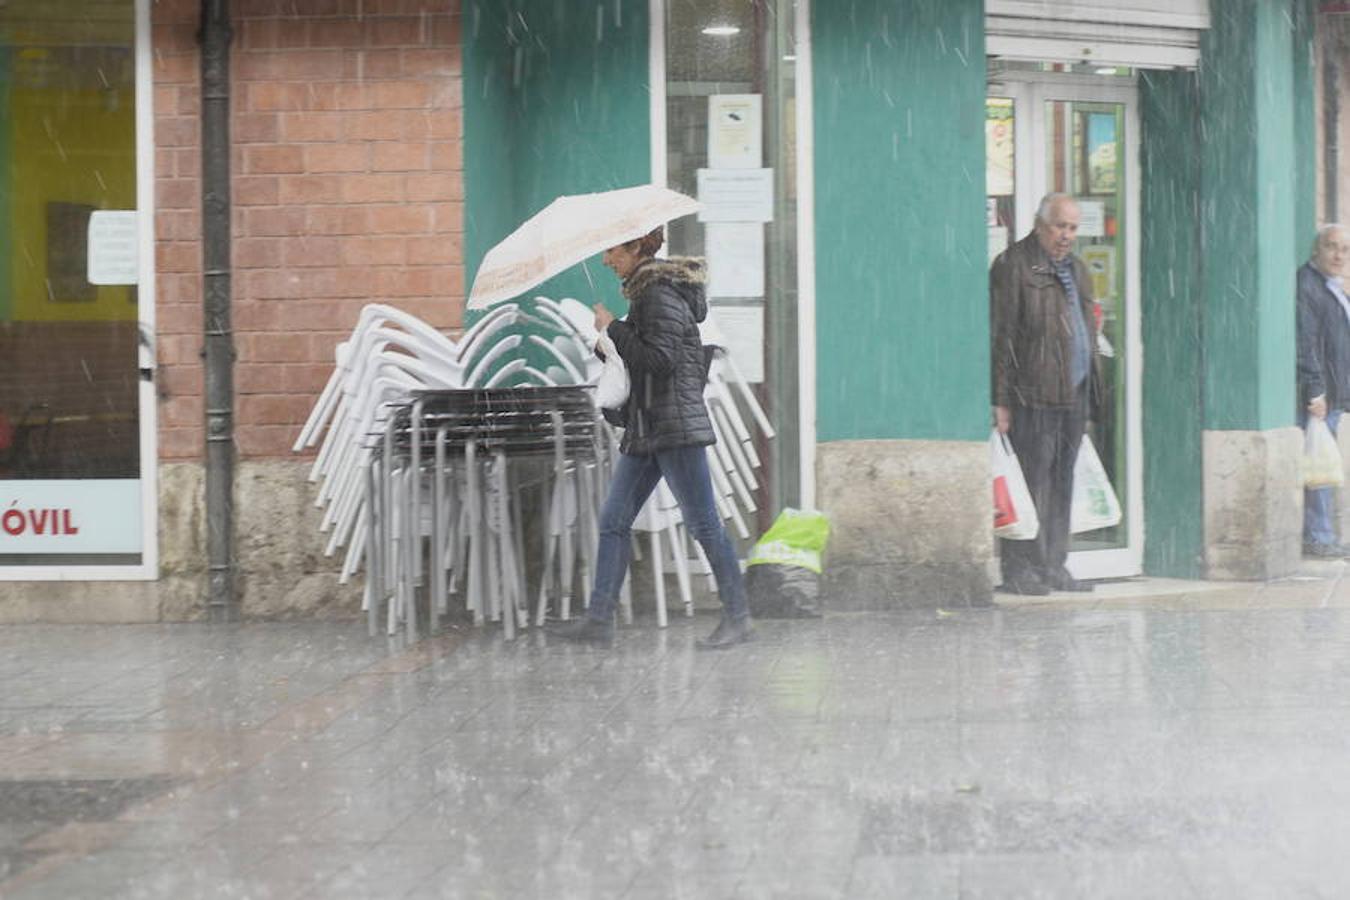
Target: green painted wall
(1305,123)
(902,302)
(555,102)
(1248,206)
(1173,330)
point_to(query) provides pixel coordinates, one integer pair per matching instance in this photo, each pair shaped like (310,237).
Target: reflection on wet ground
(1189,744)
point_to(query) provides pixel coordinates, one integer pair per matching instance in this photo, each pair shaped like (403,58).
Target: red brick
(337,158)
(258,34)
(257,253)
(435,186)
(257,378)
(280,221)
(311,126)
(374,251)
(274,158)
(399,156)
(165,12)
(257,190)
(378,125)
(339,220)
(403,31)
(400,94)
(447,156)
(385,62)
(177,257)
(178,318)
(177,225)
(308,380)
(188,161)
(310,189)
(269,441)
(311,251)
(166,100)
(278,96)
(373,188)
(272,409)
(449,217)
(400,220)
(445,31)
(183,380)
(189,100)
(341,33)
(177,193)
(178,349)
(429,62)
(166,163)
(186,410)
(178,131)
(255,128)
(177,444)
(442,249)
(292,33)
(274,348)
(176,68)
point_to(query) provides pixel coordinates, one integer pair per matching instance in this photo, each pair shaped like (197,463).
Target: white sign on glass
(742,326)
(735,195)
(94,515)
(735,253)
(1092,221)
(735,132)
(114,245)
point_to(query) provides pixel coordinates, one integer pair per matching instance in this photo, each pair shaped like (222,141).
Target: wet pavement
(1156,740)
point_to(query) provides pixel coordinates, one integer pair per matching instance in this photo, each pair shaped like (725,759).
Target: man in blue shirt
(1323,370)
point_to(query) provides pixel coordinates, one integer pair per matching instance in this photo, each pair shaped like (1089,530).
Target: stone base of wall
(910,521)
(282,572)
(1253,503)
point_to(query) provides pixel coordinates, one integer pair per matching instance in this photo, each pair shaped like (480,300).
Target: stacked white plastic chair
(420,517)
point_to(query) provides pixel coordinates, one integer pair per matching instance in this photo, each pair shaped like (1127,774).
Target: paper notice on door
(1093,218)
(735,135)
(735,195)
(742,328)
(114,241)
(735,252)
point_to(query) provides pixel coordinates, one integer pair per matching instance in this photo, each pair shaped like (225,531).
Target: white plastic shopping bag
(1094,502)
(1321,457)
(611,388)
(1014,513)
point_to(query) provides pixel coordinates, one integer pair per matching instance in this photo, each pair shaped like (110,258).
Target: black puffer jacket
(660,346)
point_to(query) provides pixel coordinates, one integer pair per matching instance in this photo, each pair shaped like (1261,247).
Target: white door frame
(1029,92)
(148,569)
(806,235)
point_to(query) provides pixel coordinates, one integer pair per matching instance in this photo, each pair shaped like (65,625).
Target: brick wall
(348,187)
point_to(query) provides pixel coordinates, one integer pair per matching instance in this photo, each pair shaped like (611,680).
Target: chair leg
(658,578)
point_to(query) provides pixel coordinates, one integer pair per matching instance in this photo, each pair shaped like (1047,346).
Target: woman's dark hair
(647,245)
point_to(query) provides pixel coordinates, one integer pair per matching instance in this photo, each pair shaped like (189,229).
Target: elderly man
(1323,369)
(1042,355)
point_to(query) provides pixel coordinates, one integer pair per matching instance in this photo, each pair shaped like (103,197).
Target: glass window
(69,430)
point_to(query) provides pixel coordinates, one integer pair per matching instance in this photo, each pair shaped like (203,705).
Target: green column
(555,102)
(1249,199)
(1173,329)
(902,304)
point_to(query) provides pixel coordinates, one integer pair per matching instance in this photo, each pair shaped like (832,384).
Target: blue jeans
(635,477)
(1320,503)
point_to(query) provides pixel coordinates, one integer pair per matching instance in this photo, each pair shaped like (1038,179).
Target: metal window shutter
(1146,34)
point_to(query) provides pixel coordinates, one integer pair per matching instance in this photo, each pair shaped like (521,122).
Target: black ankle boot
(728,633)
(584,630)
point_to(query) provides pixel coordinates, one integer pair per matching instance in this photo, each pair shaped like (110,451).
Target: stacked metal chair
(430,451)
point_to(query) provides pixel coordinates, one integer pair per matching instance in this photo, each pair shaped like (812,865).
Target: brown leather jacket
(1031,327)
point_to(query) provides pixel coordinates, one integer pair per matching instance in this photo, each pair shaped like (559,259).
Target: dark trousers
(1046,443)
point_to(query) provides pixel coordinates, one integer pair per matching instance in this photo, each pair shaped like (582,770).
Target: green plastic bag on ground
(783,571)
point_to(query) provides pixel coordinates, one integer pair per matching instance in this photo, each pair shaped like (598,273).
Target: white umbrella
(569,230)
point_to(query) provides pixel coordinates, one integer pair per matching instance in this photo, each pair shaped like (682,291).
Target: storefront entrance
(1079,134)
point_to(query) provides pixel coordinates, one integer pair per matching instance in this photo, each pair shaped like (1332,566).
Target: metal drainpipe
(222,604)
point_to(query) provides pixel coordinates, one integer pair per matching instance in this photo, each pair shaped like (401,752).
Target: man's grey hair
(1324,234)
(1048,203)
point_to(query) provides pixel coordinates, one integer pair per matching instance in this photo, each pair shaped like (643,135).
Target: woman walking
(666,431)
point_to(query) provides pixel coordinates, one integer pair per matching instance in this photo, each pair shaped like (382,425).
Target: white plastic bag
(611,387)
(1094,501)
(1321,456)
(1014,514)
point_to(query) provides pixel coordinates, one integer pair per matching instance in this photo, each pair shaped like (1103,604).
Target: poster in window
(1101,153)
(68,253)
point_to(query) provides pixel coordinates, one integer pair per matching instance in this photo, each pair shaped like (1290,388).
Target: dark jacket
(667,367)
(1323,341)
(1032,334)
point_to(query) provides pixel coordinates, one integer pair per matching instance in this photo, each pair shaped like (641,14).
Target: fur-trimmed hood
(688,275)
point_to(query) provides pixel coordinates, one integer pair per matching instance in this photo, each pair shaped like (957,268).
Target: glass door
(1079,135)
